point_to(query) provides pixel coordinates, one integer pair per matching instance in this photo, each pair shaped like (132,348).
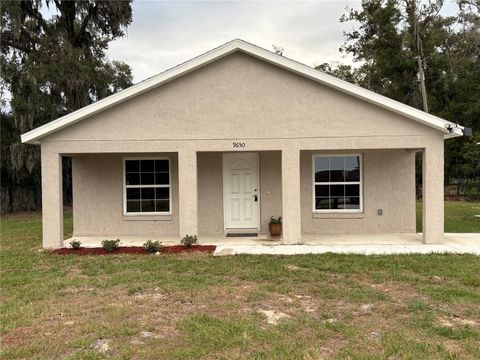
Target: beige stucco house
(222,142)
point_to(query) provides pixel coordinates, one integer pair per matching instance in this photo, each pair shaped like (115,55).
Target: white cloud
(164,34)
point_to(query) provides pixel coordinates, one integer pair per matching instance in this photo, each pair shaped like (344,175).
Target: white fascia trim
(263,54)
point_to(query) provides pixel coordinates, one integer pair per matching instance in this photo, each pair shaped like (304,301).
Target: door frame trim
(239,230)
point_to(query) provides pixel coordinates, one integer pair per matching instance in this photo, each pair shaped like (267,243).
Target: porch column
(433,198)
(187,192)
(291,196)
(52,199)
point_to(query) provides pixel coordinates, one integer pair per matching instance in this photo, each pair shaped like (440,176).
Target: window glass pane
(161,165)
(322,203)
(132,178)
(337,190)
(133,206)
(147,166)
(132,166)
(161,178)
(148,193)
(162,205)
(352,190)
(148,205)
(352,203)
(147,173)
(352,168)
(322,165)
(336,168)
(162,193)
(337,203)
(133,194)
(321,191)
(147,178)
(321,176)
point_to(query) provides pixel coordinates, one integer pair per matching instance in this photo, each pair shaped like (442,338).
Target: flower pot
(275,229)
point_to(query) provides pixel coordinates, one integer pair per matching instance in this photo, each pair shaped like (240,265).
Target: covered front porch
(286,187)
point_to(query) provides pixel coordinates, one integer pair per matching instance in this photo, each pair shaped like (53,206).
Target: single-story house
(224,141)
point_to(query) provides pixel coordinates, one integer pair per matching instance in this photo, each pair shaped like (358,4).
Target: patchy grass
(243,307)
(459,217)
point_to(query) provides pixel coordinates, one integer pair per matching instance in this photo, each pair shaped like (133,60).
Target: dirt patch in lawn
(137,250)
(18,336)
(456,321)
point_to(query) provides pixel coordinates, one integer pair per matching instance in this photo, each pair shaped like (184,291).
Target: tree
(52,65)
(341,71)
(392,36)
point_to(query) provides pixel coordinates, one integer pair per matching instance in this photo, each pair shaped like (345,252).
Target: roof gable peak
(34,136)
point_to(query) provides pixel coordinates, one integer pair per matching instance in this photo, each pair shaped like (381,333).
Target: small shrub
(274,220)
(75,244)
(110,245)
(189,240)
(152,247)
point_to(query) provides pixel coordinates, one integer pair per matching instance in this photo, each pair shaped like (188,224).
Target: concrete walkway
(367,244)
(454,243)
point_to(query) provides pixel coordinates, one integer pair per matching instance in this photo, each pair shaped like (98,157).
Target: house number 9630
(238,145)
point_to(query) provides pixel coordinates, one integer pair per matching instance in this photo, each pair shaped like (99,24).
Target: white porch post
(291,196)
(52,199)
(187,192)
(433,198)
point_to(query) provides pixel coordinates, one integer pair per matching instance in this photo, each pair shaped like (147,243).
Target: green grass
(459,217)
(199,306)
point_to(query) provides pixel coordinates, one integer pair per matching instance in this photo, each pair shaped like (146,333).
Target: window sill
(147,217)
(338,215)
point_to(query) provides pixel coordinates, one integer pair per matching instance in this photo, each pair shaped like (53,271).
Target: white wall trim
(33,136)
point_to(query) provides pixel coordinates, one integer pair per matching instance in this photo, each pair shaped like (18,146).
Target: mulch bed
(174,249)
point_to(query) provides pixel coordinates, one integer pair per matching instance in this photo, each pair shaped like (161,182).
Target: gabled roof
(435,122)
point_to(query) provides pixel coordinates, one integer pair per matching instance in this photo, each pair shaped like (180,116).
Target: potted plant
(275,226)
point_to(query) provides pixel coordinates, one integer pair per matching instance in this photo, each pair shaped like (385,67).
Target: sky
(164,34)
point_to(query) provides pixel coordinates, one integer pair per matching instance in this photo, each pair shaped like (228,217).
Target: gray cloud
(164,34)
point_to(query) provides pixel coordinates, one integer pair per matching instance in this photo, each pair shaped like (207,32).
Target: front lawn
(260,307)
(459,217)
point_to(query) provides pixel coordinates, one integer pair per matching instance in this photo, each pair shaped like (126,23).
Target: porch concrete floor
(314,244)
(220,239)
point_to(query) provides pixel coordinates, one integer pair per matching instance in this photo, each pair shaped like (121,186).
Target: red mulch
(174,249)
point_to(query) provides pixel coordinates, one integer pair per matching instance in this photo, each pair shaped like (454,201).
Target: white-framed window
(337,183)
(147,186)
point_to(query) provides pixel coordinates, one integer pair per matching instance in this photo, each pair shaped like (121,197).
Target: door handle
(255,197)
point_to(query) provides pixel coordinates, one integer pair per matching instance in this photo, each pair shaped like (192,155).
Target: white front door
(241,190)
